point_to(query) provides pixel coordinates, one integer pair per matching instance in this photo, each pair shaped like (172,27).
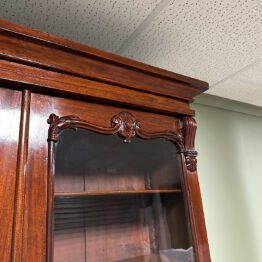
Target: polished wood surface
(193,195)
(10,107)
(41,108)
(41,75)
(123,124)
(44,50)
(21,177)
(34,233)
(57,83)
(40,59)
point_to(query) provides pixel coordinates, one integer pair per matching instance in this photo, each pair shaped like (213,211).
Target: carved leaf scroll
(124,124)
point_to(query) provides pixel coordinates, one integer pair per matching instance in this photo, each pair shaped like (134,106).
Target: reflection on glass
(116,201)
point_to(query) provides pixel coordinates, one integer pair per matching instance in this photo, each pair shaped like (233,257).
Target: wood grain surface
(10,108)
(41,74)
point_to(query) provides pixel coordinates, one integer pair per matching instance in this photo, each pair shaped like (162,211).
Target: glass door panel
(117,201)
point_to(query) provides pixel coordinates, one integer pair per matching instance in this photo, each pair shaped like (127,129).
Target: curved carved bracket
(191,160)
(189,132)
(124,124)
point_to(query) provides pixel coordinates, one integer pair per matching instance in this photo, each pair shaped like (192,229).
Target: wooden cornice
(28,48)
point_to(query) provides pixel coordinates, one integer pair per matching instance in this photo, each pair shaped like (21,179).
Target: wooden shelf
(119,192)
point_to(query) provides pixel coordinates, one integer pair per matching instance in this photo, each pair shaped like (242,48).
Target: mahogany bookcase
(97,154)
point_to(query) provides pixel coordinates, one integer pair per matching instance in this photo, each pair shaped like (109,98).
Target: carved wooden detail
(57,124)
(124,124)
(189,131)
(96,82)
(127,125)
(191,160)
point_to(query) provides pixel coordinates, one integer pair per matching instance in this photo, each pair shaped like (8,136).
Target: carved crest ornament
(127,126)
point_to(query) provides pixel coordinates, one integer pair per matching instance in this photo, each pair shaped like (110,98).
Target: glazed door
(115,199)
(109,186)
(115,191)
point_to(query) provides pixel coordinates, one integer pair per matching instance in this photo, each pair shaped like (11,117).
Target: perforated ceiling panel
(246,86)
(204,39)
(105,24)
(209,40)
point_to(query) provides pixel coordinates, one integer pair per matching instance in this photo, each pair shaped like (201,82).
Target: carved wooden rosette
(189,131)
(124,124)
(127,125)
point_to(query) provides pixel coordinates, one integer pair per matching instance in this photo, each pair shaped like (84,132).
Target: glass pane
(117,201)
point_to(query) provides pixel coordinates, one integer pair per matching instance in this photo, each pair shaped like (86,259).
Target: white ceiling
(219,41)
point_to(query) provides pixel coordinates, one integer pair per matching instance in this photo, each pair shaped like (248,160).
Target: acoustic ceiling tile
(245,86)
(99,23)
(204,39)
(209,40)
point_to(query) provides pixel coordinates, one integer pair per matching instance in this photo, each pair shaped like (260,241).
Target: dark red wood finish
(45,51)
(41,108)
(21,177)
(50,70)
(192,190)
(10,107)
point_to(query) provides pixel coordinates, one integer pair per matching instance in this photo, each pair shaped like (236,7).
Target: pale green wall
(230,175)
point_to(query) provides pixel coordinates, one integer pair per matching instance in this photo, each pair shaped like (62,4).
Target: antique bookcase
(97,155)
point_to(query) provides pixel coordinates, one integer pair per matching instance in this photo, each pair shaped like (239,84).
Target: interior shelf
(116,202)
(116,192)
